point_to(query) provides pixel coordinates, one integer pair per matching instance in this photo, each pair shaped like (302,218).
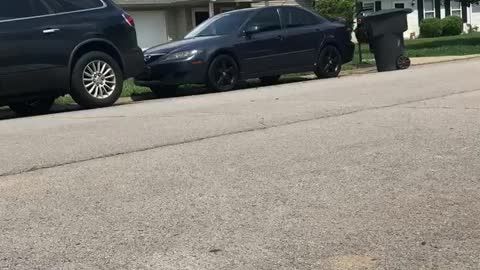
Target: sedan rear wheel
(223,73)
(329,63)
(33,107)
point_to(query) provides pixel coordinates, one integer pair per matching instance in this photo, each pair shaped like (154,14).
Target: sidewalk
(439,59)
(416,61)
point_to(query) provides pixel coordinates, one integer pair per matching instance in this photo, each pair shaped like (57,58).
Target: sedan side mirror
(250,30)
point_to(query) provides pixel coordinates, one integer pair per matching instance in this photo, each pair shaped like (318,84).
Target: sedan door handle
(50,30)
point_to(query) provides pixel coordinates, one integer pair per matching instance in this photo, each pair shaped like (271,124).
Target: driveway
(377,171)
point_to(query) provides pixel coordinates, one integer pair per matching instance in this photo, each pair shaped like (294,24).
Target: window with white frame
(368,7)
(456,8)
(429,8)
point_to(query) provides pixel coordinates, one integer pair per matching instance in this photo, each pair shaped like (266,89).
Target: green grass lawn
(444,46)
(129,89)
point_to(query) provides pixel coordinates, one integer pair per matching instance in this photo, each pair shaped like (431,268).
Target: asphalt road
(377,171)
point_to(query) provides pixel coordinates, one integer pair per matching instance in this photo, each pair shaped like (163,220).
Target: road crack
(262,126)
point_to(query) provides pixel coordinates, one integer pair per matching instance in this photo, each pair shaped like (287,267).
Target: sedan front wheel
(223,73)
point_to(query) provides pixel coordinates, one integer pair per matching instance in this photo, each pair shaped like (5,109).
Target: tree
(334,9)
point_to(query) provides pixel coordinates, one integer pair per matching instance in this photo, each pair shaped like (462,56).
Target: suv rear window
(60,6)
(18,9)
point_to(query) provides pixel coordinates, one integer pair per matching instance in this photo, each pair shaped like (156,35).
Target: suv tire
(97,80)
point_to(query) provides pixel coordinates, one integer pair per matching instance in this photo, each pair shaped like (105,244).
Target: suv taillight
(129,20)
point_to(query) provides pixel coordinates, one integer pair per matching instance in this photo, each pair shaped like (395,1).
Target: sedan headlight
(184,55)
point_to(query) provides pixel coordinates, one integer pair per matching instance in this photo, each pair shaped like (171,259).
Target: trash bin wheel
(403,62)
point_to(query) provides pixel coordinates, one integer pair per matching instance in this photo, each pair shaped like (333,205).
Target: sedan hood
(180,45)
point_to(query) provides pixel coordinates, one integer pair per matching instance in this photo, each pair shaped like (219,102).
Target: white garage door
(151,27)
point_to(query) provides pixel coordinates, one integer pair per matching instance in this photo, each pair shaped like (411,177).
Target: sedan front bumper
(349,52)
(172,73)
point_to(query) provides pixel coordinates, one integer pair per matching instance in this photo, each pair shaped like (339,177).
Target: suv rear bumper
(133,63)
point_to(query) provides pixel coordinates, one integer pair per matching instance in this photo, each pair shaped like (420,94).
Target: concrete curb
(416,61)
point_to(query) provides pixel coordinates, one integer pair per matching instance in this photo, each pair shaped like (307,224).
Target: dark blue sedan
(260,43)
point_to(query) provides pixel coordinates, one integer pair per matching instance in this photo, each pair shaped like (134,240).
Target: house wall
(303,3)
(474,14)
(151,27)
(412,18)
(222,6)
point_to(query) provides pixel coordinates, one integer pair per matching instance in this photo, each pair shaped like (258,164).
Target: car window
(295,17)
(60,6)
(265,20)
(18,9)
(224,24)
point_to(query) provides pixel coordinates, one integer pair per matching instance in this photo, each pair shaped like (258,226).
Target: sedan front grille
(149,58)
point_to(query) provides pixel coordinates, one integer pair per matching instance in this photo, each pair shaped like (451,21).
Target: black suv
(49,48)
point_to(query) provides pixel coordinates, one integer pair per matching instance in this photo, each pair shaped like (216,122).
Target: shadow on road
(191,90)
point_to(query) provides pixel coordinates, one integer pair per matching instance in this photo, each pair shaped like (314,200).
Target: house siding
(303,3)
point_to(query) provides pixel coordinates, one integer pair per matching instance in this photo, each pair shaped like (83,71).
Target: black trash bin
(385,35)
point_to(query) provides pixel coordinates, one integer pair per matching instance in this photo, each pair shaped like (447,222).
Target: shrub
(431,28)
(334,9)
(452,26)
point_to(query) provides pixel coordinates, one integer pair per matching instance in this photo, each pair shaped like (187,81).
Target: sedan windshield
(224,24)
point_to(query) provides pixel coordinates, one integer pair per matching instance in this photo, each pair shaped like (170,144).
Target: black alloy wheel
(223,73)
(329,63)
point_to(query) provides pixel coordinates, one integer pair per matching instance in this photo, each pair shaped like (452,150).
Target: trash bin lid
(389,12)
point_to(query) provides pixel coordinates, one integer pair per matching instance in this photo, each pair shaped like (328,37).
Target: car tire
(164,91)
(97,80)
(329,63)
(223,73)
(269,80)
(33,107)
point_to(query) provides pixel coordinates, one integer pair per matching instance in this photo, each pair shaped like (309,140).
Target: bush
(334,9)
(431,28)
(452,26)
